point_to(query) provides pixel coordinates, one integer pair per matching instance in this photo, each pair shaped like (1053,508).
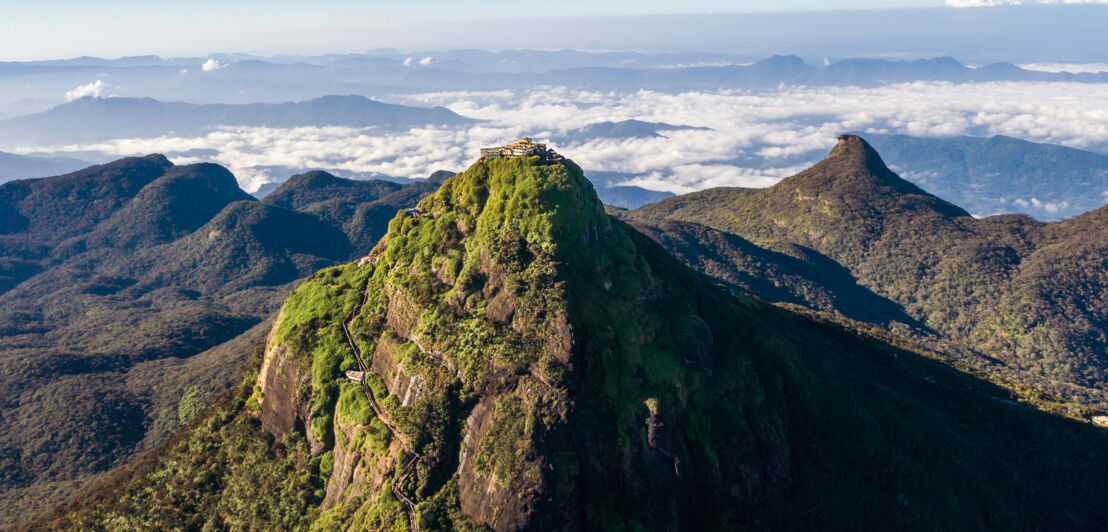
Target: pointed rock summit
(854,168)
(856,149)
(526,362)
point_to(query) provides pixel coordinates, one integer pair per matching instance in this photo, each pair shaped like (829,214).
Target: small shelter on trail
(355,376)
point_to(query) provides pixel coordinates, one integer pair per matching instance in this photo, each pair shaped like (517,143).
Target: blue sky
(68,28)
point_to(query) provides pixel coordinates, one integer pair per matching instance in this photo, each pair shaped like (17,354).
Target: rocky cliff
(533,364)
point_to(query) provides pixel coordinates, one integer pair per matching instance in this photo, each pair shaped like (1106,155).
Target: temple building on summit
(520,148)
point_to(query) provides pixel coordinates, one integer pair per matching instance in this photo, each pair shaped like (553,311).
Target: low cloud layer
(211,65)
(1074,68)
(94,89)
(756,137)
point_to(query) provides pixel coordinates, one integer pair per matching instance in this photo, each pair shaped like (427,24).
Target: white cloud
(1075,68)
(184,71)
(422,62)
(756,137)
(93,89)
(211,64)
(700,176)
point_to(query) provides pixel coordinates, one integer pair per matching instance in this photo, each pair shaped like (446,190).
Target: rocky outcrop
(283,387)
(482,497)
(347,464)
(356,472)
(408,387)
(284,392)
(403,316)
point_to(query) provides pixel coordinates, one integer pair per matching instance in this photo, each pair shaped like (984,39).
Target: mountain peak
(438,176)
(509,357)
(546,201)
(854,169)
(158,160)
(316,178)
(171,206)
(302,190)
(854,149)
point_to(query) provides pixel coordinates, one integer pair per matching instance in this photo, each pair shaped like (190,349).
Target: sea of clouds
(755,137)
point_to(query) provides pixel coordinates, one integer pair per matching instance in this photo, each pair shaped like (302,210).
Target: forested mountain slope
(1023,298)
(131,294)
(533,363)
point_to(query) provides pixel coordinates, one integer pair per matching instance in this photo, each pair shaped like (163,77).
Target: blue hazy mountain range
(14,166)
(1000,174)
(247,79)
(624,129)
(95,119)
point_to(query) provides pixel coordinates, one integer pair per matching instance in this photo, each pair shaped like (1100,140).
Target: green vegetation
(132,293)
(190,404)
(221,471)
(1011,296)
(353,407)
(506,440)
(552,368)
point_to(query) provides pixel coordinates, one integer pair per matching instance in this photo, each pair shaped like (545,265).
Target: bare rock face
(354,472)
(346,465)
(284,385)
(405,385)
(474,489)
(384,359)
(403,315)
(500,309)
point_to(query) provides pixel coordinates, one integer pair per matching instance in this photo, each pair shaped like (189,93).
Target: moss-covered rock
(621,391)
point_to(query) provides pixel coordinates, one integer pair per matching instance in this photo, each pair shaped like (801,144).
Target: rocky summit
(510,357)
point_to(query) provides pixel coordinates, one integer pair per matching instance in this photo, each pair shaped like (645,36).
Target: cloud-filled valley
(754,137)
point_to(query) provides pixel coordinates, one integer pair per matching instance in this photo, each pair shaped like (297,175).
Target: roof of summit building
(519,148)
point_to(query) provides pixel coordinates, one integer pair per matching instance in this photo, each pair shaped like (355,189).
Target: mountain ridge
(553,368)
(92,119)
(14,166)
(1015,295)
(130,295)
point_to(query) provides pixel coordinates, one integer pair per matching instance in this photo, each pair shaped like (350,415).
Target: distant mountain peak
(783,60)
(315,178)
(158,159)
(97,119)
(854,169)
(853,158)
(855,149)
(438,176)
